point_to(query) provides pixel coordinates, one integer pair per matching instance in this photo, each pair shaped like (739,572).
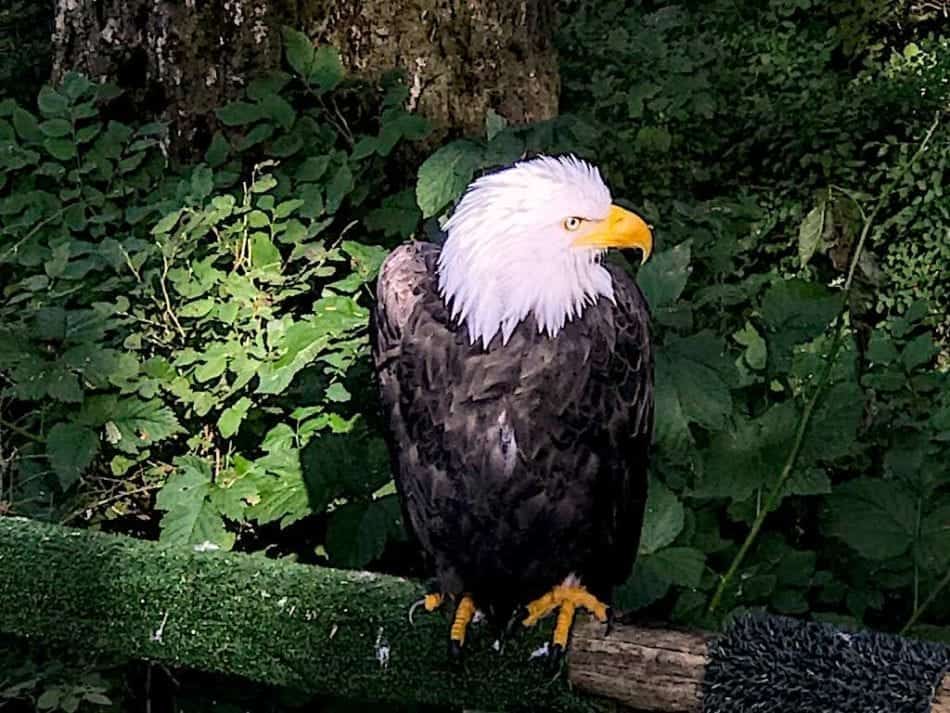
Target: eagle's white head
(529,240)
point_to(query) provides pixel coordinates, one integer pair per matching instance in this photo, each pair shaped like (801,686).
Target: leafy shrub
(195,330)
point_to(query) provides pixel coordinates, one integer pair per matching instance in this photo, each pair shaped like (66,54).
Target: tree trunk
(180,59)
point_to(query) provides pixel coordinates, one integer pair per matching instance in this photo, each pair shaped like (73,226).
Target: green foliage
(195,331)
(761,155)
(199,333)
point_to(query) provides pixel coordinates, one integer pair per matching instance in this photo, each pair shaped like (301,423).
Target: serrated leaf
(141,423)
(796,311)
(445,174)
(71,448)
(748,457)
(875,517)
(664,277)
(663,520)
(190,516)
(691,376)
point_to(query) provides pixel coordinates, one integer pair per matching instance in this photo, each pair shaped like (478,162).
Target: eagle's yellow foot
(464,613)
(567,599)
(430,602)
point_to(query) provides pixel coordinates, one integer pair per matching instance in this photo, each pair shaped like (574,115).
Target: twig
(839,327)
(168,301)
(106,501)
(20,431)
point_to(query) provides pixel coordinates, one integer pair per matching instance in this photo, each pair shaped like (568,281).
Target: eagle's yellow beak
(620,229)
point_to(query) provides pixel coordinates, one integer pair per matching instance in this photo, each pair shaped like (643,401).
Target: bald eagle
(516,375)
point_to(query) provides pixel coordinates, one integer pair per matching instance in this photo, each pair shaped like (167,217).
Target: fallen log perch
(347,633)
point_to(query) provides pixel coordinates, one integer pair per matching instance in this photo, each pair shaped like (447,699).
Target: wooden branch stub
(646,669)
(942,697)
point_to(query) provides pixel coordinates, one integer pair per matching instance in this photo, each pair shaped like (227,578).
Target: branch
(347,633)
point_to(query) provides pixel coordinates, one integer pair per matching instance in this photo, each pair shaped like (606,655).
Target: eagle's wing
(404,277)
(629,432)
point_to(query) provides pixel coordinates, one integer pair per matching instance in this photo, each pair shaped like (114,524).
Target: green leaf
(358,532)
(218,150)
(796,311)
(691,382)
(190,516)
(875,517)
(680,565)
(327,68)
(366,259)
(300,52)
(833,430)
(281,488)
(312,169)
(338,188)
(141,423)
(749,457)
(51,102)
(264,254)
(810,232)
(445,174)
(240,113)
(26,125)
(71,448)
(663,520)
(278,109)
(60,149)
(663,278)
(919,351)
(494,124)
(56,128)
(231,417)
(398,217)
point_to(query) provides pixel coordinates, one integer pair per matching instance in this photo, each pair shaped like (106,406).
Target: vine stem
(840,327)
(931,598)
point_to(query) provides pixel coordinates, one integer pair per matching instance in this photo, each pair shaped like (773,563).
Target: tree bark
(328,631)
(180,59)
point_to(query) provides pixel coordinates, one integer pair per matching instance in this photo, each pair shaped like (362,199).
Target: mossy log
(324,630)
(318,629)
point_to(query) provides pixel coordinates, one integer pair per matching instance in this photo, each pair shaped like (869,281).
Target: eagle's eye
(573,223)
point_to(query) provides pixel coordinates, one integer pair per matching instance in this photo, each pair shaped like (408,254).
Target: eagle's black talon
(609,624)
(555,657)
(455,650)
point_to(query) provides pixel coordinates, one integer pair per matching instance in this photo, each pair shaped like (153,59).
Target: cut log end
(646,669)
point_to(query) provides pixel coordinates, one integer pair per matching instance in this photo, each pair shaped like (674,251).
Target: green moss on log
(271,621)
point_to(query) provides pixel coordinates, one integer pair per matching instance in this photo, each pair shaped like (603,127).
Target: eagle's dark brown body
(523,463)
